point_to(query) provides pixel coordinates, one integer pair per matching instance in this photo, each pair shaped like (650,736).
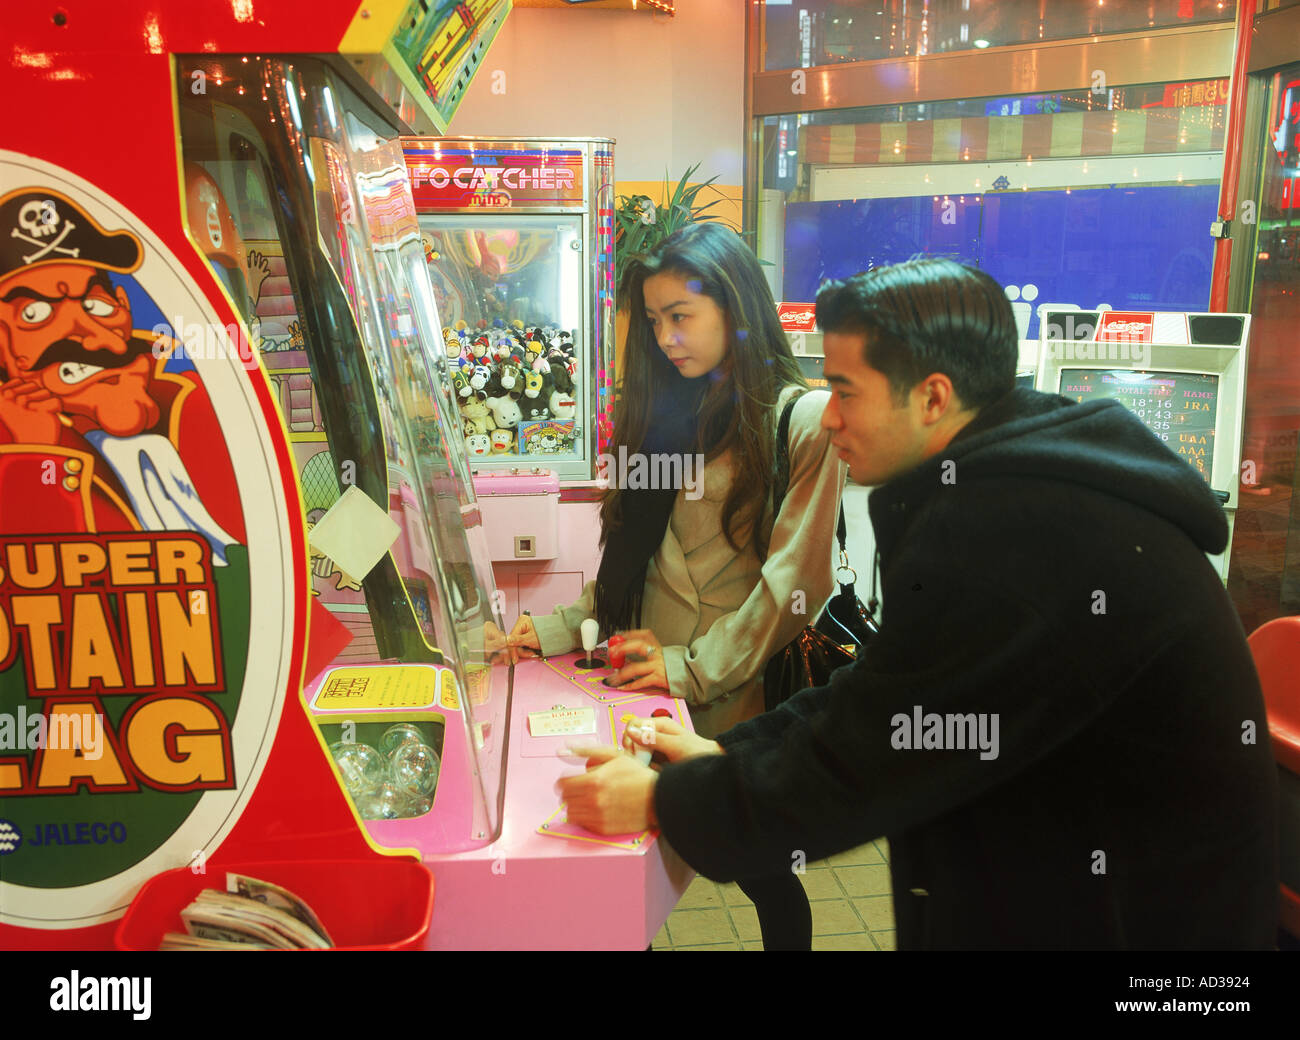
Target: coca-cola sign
(797,317)
(1126,325)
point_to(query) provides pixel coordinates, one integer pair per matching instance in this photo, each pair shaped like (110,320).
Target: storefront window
(1074,197)
(807,33)
(1265,577)
(1149,119)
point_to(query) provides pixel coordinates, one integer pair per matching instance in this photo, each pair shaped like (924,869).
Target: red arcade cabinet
(241,560)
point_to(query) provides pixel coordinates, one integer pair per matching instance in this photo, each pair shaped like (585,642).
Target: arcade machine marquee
(249,562)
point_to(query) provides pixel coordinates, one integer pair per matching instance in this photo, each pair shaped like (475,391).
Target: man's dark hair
(929,315)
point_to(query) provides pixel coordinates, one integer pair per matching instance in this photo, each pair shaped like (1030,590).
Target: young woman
(702,581)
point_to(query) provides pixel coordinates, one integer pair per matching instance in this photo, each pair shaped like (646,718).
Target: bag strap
(782,483)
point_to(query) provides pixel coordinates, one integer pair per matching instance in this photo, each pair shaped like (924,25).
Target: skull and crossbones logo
(41,220)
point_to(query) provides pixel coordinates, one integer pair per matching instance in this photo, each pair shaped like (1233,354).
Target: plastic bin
(381,904)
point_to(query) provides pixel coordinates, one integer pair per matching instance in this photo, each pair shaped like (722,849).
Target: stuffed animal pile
(515,386)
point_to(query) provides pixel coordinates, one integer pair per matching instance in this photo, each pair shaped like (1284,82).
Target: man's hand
(648,673)
(667,738)
(614,796)
(29,412)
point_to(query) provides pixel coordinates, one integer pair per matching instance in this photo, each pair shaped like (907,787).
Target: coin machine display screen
(1180,408)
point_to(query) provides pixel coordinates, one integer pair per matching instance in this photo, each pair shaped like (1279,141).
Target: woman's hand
(523,639)
(665,737)
(648,673)
(494,643)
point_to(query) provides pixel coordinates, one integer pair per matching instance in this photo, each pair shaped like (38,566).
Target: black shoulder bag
(845,624)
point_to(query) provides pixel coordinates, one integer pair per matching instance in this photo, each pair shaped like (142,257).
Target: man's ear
(938,398)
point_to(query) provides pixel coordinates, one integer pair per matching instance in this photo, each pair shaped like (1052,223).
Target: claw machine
(246,601)
(518,236)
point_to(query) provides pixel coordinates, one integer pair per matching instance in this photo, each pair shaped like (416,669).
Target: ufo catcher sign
(136,696)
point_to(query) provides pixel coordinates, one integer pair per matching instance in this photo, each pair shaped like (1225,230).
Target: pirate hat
(41,226)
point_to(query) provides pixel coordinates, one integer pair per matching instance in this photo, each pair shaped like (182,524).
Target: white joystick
(590,636)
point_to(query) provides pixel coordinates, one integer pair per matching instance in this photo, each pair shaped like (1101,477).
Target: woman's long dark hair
(736,410)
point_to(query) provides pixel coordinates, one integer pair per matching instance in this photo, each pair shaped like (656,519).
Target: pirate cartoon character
(95,434)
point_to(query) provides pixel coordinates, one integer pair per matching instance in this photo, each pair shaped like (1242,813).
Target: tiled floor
(849,894)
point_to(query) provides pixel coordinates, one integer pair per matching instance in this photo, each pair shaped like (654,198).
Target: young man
(1059,727)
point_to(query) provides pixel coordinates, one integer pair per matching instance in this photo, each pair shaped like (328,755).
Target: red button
(661,713)
(616,656)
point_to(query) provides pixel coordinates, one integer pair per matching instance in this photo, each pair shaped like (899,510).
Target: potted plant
(640,225)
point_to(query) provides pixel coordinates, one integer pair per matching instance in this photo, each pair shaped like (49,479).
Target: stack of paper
(250,915)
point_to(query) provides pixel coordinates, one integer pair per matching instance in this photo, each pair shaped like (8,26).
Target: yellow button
(71,483)
(72,466)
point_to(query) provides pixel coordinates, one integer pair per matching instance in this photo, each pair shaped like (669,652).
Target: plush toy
(561,404)
(518,356)
(505,413)
(533,384)
(560,375)
(503,442)
(479,376)
(478,444)
(534,347)
(476,416)
(533,410)
(460,384)
(560,380)
(510,377)
(450,342)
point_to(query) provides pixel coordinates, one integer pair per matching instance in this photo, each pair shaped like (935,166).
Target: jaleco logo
(10,837)
(1126,325)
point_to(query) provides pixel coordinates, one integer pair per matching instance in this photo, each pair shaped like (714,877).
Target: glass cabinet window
(336,295)
(510,295)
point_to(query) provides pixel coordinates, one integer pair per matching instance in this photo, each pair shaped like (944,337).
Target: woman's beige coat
(720,615)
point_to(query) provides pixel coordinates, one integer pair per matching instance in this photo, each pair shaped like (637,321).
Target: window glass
(824,32)
(1264,578)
